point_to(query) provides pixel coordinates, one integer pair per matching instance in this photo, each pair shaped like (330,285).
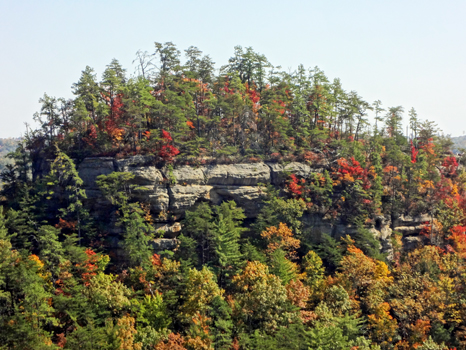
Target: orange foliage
(281,238)
(458,237)
(420,331)
(61,341)
(174,342)
(63,224)
(298,294)
(91,265)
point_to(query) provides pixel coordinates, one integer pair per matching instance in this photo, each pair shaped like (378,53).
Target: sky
(404,53)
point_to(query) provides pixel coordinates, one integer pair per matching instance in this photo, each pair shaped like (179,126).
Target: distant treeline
(7,145)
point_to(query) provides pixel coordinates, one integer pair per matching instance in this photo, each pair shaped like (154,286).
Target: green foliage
(138,234)
(365,240)
(282,267)
(275,281)
(336,333)
(292,337)
(278,210)
(137,238)
(313,268)
(222,323)
(328,250)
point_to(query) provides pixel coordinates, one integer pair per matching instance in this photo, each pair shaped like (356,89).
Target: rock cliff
(170,192)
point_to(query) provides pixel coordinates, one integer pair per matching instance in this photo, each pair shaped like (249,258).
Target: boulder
(409,230)
(134,161)
(413,242)
(146,175)
(184,198)
(187,175)
(141,167)
(155,195)
(412,220)
(161,244)
(247,197)
(279,173)
(90,168)
(237,174)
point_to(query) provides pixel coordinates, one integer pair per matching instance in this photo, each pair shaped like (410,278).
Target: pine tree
(198,225)
(226,247)
(282,267)
(138,233)
(222,324)
(64,185)
(137,238)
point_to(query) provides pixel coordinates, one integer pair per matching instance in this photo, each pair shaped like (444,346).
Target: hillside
(249,208)
(459,143)
(7,145)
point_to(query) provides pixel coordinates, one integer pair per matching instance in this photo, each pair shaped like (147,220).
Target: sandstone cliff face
(170,192)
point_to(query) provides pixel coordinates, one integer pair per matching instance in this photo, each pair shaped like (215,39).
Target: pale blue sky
(409,53)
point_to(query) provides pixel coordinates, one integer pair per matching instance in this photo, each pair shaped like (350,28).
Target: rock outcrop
(170,192)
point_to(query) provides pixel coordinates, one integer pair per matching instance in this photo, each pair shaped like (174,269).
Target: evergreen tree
(198,225)
(282,267)
(222,323)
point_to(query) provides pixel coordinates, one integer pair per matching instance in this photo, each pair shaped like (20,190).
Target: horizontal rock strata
(171,191)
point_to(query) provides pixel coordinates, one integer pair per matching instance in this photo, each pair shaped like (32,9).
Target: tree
(278,210)
(282,267)
(137,237)
(88,92)
(281,238)
(169,58)
(225,238)
(376,105)
(413,123)
(262,299)
(138,233)
(222,323)
(198,225)
(200,289)
(393,121)
(64,184)
(145,65)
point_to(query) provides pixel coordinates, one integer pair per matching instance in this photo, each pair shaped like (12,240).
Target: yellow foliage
(125,334)
(40,265)
(348,178)
(382,324)
(201,289)
(454,190)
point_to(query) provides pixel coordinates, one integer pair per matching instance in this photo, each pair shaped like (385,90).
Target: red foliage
(414,153)
(166,136)
(294,186)
(354,169)
(168,152)
(458,236)
(92,135)
(89,267)
(451,164)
